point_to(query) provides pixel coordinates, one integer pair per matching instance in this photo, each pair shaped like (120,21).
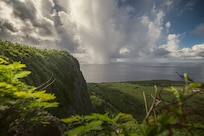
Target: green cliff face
(56,71)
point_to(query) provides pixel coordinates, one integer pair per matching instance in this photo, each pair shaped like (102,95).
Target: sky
(106,31)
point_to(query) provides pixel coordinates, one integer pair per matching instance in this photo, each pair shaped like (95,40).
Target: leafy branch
(18,99)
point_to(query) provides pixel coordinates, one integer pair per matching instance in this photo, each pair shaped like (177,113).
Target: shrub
(163,118)
(19,101)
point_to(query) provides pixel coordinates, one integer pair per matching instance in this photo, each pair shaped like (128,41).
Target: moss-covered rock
(56,71)
(48,125)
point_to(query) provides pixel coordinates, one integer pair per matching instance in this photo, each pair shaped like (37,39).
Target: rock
(48,125)
(55,71)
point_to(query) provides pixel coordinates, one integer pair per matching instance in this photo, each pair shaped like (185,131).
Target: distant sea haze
(117,72)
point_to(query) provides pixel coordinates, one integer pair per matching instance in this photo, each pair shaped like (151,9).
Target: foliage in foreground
(175,117)
(17,99)
(163,118)
(99,124)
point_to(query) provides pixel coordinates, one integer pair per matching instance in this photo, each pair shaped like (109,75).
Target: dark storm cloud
(4,33)
(27,12)
(38,23)
(7,26)
(66,33)
(160,52)
(24,11)
(57,7)
(201,54)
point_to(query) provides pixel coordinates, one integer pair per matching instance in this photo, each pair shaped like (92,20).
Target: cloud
(199,30)
(168,25)
(196,52)
(102,31)
(172,43)
(189,5)
(97,31)
(171,49)
(179,7)
(37,23)
(106,33)
(124,51)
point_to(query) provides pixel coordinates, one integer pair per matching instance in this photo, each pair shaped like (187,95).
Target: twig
(153,104)
(46,84)
(145,101)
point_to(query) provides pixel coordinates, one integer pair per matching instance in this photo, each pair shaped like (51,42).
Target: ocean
(118,72)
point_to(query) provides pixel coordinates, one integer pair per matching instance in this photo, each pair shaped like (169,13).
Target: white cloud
(173,51)
(168,25)
(169,3)
(95,31)
(172,43)
(124,51)
(198,47)
(196,52)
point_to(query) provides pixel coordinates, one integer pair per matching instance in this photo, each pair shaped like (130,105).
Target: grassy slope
(127,97)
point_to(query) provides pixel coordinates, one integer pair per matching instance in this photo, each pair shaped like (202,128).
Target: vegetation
(99,124)
(18,101)
(144,108)
(56,71)
(127,97)
(175,115)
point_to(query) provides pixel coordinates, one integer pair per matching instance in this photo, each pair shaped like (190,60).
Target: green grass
(127,97)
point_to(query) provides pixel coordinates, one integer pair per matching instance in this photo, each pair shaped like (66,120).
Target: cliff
(56,71)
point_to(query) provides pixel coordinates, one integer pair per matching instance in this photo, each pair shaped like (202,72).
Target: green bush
(163,118)
(18,101)
(178,116)
(101,124)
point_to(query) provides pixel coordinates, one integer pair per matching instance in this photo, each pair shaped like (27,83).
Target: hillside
(56,71)
(127,97)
